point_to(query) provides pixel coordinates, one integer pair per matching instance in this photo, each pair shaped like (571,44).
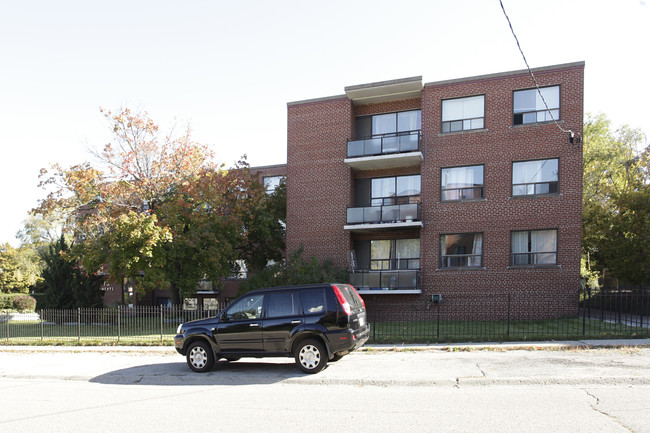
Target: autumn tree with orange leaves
(158,210)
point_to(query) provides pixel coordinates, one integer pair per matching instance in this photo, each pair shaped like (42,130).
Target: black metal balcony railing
(400,142)
(384,214)
(385,280)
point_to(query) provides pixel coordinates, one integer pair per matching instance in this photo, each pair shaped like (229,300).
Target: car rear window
(351,296)
(313,301)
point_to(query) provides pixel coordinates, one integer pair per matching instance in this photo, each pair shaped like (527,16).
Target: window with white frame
(462,183)
(529,107)
(462,114)
(534,247)
(463,250)
(535,177)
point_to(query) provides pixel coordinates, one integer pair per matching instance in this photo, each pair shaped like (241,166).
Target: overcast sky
(229,68)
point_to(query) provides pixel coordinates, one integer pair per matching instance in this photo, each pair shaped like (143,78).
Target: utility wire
(539,91)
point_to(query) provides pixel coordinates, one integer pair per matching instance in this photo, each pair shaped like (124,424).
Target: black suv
(313,323)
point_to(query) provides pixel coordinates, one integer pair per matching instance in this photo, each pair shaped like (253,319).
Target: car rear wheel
(200,357)
(311,356)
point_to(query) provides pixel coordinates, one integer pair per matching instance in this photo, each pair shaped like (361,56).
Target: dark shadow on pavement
(244,372)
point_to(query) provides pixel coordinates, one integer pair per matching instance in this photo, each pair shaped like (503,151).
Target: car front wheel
(200,357)
(311,356)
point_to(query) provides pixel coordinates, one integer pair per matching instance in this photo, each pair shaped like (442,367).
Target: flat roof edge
(264,167)
(383,83)
(508,73)
(314,100)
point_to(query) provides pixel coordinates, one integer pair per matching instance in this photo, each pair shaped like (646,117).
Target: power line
(539,91)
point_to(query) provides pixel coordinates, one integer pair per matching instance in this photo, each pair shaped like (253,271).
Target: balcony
(386,282)
(383,217)
(392,150)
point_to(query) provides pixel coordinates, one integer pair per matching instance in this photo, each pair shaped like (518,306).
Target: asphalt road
(555,387)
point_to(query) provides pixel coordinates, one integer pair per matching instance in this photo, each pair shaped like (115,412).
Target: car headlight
(179,330)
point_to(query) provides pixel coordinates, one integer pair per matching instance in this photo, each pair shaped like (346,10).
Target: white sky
(230,67)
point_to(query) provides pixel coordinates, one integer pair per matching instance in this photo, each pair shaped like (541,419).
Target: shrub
(24,303)
(6,301)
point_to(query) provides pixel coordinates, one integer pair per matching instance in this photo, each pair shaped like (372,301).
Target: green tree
(264,221)
(161,213)
(205,219)
(12,278)
(65,284)
(296,270)
(615,199)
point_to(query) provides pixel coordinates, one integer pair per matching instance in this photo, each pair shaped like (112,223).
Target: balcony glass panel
(385,280)
(355,215)
(372,214)
(408,212)
(390,213)
(408,141)
(384,214)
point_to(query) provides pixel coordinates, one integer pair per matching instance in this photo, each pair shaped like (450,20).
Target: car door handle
(254,325)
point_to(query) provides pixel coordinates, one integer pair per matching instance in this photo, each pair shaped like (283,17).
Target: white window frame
(463,114)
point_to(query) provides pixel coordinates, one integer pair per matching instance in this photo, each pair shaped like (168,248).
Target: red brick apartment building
(465,188)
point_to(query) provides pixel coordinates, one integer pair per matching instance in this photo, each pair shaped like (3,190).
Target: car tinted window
(313,301)
(248,307)
(351,296)
(282,304)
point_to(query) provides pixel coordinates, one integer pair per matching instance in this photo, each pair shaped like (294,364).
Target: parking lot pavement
(594,362)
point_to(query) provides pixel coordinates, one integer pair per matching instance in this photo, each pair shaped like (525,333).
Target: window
(394,190)
(390,123)
(395,254)
(282,304)
(313,301)
(528,106)
(271,183)
(534,247)
(249,307)
(462,114)
(462,183)
(535,177)
(463,250)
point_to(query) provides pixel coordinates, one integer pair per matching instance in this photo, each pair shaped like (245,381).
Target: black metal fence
(609,314)
(121,325)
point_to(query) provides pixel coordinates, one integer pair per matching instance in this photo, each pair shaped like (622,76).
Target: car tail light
(344,303)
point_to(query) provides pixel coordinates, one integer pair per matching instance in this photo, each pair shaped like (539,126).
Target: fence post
(40,316)
(118,323)
(438,324)
(7,322)
(161,323)
(586,304)
(78,324)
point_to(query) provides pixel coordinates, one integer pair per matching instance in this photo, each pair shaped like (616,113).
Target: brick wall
(320,188)
(318,182)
